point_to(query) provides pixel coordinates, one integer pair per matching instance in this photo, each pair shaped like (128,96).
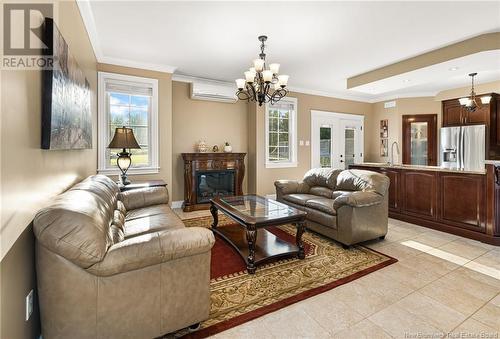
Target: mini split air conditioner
(213,91)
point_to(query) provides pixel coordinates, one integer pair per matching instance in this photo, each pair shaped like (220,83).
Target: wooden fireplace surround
(194,162)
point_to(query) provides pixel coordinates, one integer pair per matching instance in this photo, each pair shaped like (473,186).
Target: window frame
(292,136)
(103,124)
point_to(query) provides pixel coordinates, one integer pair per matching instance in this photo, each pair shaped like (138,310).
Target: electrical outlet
(29,305)
(307,143)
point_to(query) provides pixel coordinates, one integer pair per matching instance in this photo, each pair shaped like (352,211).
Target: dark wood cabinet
(463,200)
(462,203)
(420,193)
(393,188)
(452,113)
(455,114)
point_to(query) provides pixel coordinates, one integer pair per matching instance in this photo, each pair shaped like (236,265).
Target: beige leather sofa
(349,206)
(119,265)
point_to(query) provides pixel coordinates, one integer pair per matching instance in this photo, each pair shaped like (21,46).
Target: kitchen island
(465,203)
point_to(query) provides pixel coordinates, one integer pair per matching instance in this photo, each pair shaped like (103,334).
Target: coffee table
(255,213)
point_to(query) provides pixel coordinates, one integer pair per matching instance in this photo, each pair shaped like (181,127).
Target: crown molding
(135,64)
(90,26)
(191,79)
(331,94)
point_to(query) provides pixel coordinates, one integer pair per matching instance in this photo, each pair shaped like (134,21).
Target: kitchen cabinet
(452,113)
(455,114)
(463,200)
(420,193)
(465,203)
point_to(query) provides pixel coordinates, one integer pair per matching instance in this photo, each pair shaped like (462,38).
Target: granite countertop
(420,167)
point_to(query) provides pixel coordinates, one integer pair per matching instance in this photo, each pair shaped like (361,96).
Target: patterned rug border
(241,319)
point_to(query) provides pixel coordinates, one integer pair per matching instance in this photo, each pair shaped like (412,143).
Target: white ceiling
(319,44)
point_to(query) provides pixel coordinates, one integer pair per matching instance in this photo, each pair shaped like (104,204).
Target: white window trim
(103,141)
(292,138)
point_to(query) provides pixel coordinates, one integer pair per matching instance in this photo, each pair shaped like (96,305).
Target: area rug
(238,297)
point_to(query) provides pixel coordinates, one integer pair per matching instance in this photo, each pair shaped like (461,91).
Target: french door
(337,139)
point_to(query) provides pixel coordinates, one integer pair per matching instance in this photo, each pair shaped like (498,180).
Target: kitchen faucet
(391,161)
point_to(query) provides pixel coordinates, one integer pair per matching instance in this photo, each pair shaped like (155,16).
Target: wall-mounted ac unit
(213,91)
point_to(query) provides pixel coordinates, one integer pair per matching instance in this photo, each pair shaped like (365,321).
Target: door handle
(341,160)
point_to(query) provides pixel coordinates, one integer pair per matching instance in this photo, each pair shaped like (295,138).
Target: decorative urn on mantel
(227,147)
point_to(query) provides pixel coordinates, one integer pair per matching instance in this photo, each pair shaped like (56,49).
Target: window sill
(131,171)
(281,164)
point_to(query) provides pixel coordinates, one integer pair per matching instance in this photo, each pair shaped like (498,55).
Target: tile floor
(442,286)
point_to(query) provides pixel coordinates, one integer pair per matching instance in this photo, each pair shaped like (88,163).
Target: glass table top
(259,207)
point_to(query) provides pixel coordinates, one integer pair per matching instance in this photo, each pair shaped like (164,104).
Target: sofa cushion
(321,191)
(147,211)
(299,199)
(322,204)
(153,223)
(326,177)
(76,226)
(144,197)
(361,180)
(322,218)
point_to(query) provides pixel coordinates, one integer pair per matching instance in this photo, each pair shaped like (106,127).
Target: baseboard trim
(177,204)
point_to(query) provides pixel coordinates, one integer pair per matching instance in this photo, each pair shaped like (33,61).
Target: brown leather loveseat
(119,265)
(349,206)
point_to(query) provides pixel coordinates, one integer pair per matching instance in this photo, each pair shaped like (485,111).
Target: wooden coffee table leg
(215,215)
(298,238)
(251,239)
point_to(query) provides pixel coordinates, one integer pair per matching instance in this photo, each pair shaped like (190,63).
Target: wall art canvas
(66,116)
(384,128)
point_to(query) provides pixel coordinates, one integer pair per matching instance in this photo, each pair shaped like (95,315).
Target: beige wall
(164,118)
(265,177)
(195,120)
(30,176)
(422,105)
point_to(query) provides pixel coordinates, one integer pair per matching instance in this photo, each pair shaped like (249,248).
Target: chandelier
(260,84)
(471,103)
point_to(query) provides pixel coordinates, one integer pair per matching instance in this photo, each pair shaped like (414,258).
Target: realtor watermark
(27,44)
(452,335)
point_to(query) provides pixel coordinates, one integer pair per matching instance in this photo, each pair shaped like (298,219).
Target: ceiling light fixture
(453,69)
(471,103)
(260,84)
(406,80)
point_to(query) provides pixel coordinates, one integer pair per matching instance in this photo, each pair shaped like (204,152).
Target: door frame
(431,120)
(335,120)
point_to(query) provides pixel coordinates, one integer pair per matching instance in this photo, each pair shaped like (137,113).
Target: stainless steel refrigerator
(463,147)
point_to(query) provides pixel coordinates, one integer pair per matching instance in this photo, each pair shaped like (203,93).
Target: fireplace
(207,175)
(210,184)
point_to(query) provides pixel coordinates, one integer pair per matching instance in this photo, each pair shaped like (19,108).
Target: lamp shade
(124,138)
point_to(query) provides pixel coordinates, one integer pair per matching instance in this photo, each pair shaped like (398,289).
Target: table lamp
(124,138)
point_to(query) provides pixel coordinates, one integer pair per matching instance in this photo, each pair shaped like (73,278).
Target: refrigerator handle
(459,148)
(462,147)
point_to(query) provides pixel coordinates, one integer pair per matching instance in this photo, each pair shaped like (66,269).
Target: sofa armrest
(154,248)
(358,199)
(284,187)
(144,197)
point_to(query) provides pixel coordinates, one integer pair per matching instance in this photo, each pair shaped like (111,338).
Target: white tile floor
(442,284)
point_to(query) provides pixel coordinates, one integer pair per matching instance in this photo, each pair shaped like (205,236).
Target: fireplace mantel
(206,162)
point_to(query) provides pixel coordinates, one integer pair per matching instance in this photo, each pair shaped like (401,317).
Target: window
(132,102)
(281,133)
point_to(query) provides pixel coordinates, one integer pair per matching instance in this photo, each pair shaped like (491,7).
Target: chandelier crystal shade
(471,103)
(262,84)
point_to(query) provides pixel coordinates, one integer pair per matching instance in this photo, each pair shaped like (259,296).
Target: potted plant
(227,147)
